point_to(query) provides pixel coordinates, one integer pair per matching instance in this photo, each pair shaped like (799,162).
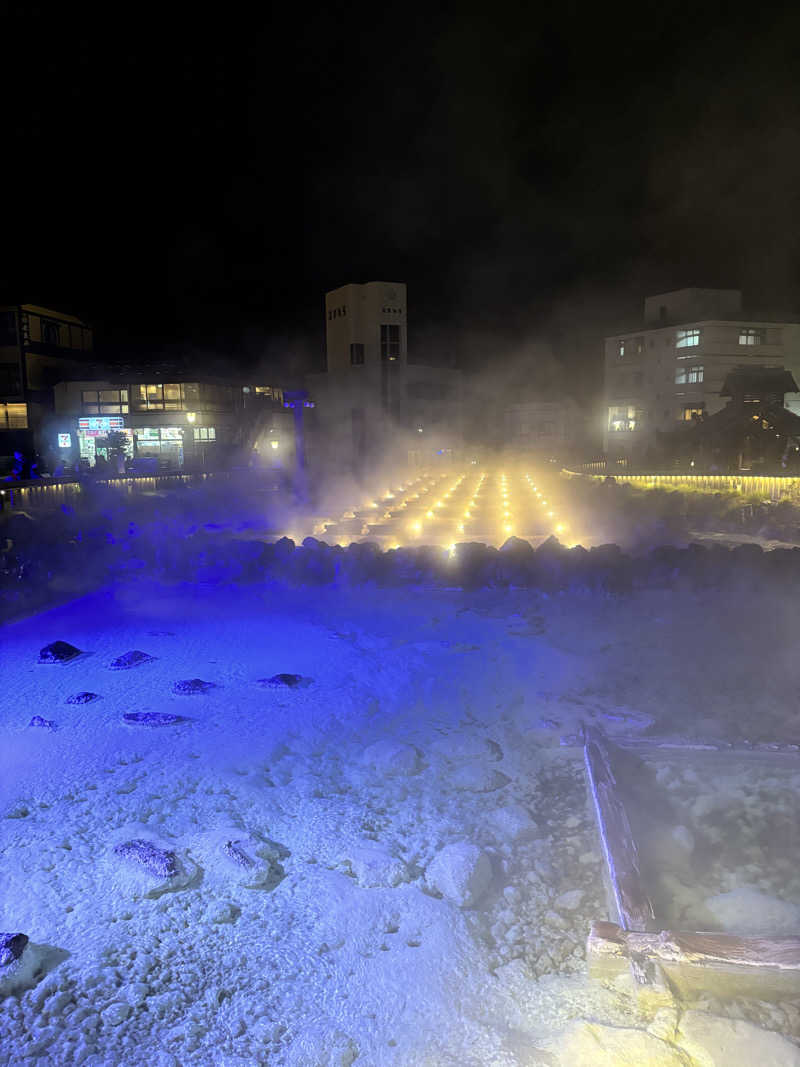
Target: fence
(774,487)
(48,493)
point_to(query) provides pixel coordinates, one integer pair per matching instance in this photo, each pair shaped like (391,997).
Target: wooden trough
(690,962)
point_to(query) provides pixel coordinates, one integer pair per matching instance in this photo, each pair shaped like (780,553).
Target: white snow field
(390,864)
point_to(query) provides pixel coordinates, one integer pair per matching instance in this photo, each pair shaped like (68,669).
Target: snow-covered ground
(392,863)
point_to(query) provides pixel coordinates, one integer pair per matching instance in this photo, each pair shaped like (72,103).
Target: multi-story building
(38,348)
(158,419)
(673,368)
(374,406)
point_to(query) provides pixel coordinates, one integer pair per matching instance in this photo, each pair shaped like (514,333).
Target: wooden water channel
(689,962)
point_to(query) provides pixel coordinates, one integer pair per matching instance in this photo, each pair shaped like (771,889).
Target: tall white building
(673,368)
(374,408)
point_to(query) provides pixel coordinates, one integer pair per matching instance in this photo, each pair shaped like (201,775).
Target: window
(622,419)
(692,375)
(687,338)
(8,328)
(356,355)
(620,349)
(205,433)
(749,336)
(639,345)
(50,332)
(390,343)
(172,397)
(691,412)
(13,416)
(104,402)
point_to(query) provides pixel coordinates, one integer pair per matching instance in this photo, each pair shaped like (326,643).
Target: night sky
(531,173)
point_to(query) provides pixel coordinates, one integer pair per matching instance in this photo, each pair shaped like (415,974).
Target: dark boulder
(153,718)
(58,652)
(135,658)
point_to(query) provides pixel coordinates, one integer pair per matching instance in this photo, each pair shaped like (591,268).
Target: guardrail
(48,493)
(776,486)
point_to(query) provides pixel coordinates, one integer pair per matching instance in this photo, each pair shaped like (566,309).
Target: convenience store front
(105,437)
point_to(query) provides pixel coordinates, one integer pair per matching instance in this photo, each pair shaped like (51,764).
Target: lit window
(205,433)
(390,342)
(622,419)
(687,338)
(691,375)
(690,412)
(89,396)
(13,416)
(620,349)
(748,336)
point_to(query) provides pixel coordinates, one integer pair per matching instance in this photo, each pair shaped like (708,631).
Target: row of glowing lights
(413,491)
(559,527)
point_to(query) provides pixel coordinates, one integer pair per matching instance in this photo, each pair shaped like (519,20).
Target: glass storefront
(157,447)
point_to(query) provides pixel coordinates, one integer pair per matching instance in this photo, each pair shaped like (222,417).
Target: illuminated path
(444,509)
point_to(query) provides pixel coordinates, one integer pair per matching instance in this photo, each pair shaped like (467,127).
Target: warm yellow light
(415,527)
(429,514)
(550,514)
(508,528)
(560,527)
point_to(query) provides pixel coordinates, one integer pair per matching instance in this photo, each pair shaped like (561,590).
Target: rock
(82,698)
(462,747)
(375,867)
(116,1013)
(153,718)
(11,947)
(664,1024)
(20,963)
(569,901)
(190,686)
(45,724)
(286,681)
(747,911)
(592,1045)
(158,861)
(236,853)
(461,872)
(259,861)
(135,658)
(512,822)
(624,720)
(478,778)
(552,918)
(392,758)
(58,652)
(715,1042)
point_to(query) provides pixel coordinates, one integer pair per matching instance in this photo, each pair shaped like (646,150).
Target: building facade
(672,369)
(143,422)
(374,406)
(38,348)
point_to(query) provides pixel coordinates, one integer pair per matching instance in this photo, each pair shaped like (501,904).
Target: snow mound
(461,872)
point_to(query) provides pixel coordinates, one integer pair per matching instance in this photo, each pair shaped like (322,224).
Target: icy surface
(316,827)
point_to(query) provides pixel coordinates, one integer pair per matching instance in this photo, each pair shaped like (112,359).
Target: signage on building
(101,423)
(65,440)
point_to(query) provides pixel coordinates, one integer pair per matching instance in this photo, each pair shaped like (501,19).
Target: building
(542,429)
(672,369)
(38,348)
(374,405)
(753,433)
(163,418)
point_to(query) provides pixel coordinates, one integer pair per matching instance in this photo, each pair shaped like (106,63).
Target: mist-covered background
(530,170)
